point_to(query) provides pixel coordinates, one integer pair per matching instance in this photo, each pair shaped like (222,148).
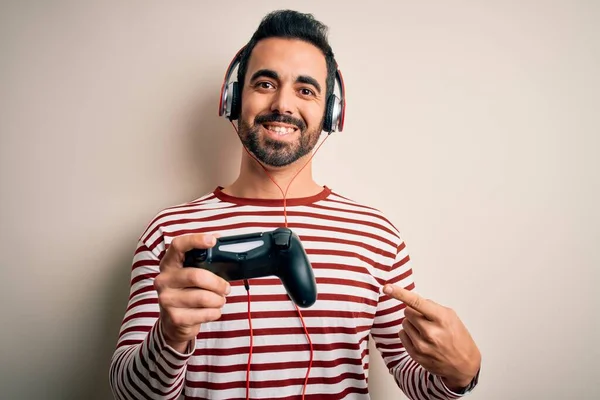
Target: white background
(472,124)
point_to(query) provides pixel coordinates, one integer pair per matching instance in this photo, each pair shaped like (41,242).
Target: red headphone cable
(247,286)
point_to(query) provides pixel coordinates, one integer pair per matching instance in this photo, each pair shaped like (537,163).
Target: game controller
(276,253)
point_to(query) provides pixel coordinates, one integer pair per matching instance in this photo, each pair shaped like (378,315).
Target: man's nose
(283,102)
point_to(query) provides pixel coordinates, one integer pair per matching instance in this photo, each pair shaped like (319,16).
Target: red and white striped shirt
(354,250)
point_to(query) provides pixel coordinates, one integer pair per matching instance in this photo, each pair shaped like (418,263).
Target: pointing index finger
(428,309)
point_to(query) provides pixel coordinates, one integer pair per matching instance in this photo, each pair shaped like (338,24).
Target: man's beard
(274,152)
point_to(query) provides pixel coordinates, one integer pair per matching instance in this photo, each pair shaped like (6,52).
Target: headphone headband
(230,101)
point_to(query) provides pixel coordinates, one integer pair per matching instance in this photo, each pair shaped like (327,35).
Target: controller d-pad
(196,256)
(282,240)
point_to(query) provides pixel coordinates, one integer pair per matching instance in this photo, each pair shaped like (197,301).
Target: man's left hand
(436,338)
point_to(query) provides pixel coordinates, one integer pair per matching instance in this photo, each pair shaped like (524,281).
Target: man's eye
(264,85)
(307,92)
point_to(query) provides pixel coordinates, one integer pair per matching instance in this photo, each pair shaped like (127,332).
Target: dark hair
(293,25)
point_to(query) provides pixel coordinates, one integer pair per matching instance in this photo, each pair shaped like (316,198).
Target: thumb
(180,245)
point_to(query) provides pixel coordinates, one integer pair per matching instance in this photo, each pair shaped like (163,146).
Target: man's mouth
(280,130)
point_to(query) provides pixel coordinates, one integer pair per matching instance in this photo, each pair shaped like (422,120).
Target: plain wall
(474,125)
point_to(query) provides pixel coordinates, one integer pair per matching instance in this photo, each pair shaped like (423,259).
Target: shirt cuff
(178,357)
(439,383)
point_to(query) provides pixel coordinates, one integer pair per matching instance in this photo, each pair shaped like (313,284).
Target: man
(188,332)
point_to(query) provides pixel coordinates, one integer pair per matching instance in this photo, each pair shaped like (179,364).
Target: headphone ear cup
(332,114)
(235,102)
(329,109)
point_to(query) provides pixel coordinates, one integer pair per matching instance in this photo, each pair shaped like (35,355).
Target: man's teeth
(280,129)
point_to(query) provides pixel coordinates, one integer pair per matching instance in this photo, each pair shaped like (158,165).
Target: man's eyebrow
(310,81)
(266,73)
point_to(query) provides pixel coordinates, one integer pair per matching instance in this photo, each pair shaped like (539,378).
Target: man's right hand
(187,296)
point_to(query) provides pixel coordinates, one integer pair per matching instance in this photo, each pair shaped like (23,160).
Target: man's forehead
(288,57)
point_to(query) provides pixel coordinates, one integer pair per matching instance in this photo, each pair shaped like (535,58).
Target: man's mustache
(282,118)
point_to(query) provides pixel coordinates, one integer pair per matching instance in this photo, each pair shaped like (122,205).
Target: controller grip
(297,276)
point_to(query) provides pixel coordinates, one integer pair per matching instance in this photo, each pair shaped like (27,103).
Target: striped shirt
(353,249)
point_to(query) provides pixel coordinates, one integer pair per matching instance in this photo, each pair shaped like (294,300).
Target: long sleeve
(143,366)
(416,382)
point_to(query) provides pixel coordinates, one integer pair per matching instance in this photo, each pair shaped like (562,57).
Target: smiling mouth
(280,130)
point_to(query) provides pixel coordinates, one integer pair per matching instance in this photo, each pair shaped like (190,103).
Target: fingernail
(228,289)
(209,240)
(387,289)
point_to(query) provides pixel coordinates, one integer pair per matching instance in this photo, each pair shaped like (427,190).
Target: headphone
(230,101)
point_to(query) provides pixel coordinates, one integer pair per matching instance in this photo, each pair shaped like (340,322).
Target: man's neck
(254,182)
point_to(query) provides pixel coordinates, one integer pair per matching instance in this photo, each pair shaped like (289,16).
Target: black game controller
(279,253)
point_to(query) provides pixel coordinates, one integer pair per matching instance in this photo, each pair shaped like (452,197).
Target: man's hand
(437,339)
(187,296)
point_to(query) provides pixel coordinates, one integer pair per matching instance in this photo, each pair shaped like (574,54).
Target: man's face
(283,100)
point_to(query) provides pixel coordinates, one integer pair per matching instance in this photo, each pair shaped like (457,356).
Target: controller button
(196,256)
(282,240)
